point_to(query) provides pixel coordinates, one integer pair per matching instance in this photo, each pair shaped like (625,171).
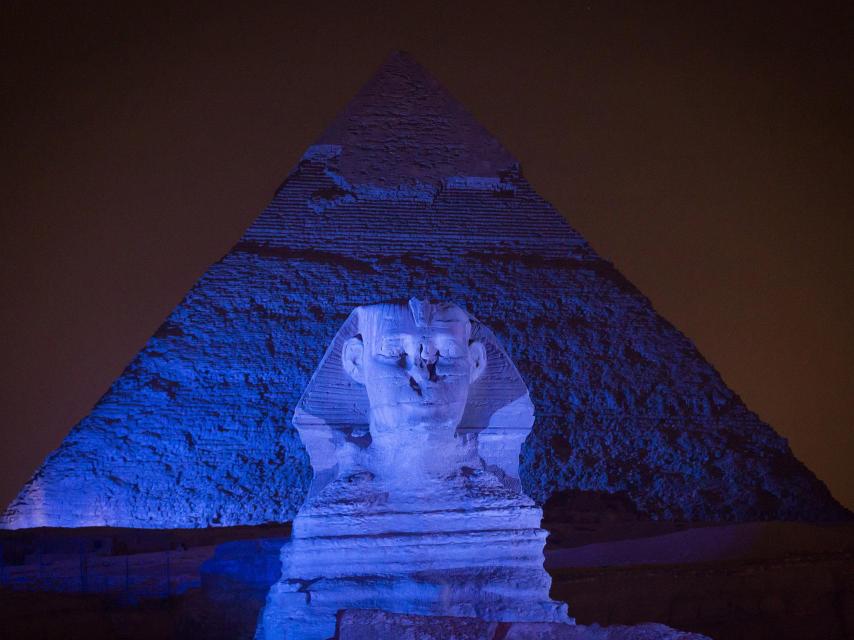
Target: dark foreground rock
(756,581)
(372,624)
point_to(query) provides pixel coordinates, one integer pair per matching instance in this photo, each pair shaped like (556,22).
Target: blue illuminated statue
(413,422)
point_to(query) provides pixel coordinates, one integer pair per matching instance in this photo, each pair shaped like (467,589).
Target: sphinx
(413,423)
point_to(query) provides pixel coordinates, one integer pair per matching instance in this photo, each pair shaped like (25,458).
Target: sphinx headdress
(333,414)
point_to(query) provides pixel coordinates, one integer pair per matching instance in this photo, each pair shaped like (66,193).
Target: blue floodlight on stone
(404,195)
(413,422)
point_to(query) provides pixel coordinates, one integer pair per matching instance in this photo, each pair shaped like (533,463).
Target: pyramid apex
(404,127)
(401,53)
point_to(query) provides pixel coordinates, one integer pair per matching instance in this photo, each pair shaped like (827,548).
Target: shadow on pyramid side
(404,195)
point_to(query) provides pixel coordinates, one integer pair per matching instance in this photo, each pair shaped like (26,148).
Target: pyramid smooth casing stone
(407,195)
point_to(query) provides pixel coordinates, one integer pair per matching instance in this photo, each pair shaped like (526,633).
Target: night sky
(706,151)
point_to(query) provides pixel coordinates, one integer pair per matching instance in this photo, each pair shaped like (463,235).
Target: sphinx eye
(391,350)
(450,350)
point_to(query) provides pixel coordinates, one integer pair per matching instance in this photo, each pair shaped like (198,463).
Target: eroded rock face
(407,512)
(405,195)
(383,625)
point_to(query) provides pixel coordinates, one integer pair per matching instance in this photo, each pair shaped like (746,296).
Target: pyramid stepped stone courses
(406,194)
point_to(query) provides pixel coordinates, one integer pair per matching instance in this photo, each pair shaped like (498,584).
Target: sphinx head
(416,361)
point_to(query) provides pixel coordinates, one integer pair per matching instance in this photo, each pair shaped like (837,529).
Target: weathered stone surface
(371,624)
(407,512)
(405,195)
(408,401)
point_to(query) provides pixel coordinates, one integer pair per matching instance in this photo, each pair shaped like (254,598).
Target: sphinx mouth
(421,402)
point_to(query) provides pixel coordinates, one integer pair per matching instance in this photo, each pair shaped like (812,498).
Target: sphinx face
(418,379)
(417,375)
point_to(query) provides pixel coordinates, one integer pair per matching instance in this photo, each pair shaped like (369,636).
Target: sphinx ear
(477,357)
(352,357)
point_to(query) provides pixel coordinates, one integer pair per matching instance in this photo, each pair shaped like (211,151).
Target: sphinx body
(413,423)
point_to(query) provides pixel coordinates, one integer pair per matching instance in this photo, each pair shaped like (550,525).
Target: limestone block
(355,624)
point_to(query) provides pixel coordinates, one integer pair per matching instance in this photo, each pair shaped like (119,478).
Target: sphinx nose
(425,363)
(425,355)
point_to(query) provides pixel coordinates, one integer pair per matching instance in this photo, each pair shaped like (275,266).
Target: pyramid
(407,195)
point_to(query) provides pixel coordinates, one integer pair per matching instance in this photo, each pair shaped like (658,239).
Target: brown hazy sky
(706,150)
